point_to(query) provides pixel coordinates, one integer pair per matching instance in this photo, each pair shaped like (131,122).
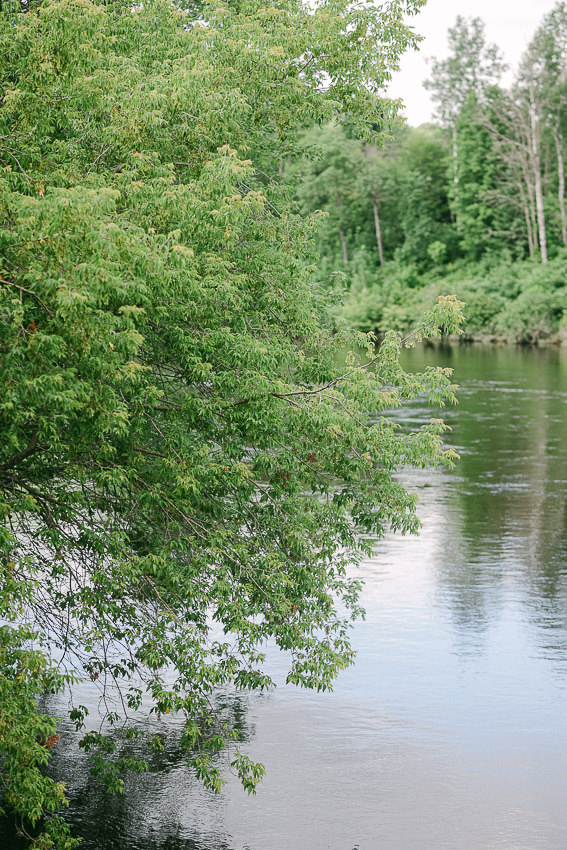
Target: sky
(509,23)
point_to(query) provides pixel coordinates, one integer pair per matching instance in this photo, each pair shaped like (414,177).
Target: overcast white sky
(509,23)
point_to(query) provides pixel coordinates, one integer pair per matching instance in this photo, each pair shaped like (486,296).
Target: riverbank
(556,340)
(506,302)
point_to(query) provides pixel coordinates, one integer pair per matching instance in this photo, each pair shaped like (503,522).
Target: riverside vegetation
(185,467)
(472,204)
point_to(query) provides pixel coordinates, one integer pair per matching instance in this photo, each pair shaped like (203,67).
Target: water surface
(451,730)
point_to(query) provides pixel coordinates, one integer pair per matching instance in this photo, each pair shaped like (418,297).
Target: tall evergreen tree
(472,66)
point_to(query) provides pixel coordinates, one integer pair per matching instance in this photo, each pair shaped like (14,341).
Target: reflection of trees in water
(546,600)
(163,809)
(507,519)
(546,575)
(467,584)
(472,593)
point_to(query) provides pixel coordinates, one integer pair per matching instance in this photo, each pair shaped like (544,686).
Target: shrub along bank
(519,301)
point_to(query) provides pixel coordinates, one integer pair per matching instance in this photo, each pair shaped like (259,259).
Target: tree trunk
(526,208)
(536,164)
(531,203)
(378,231)
(343,243)
(561,187)
(341,231)
(456,172)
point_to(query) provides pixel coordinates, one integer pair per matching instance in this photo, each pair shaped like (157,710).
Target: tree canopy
(185,467)
(473,203)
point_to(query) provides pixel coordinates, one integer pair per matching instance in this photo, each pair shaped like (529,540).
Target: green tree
(185,471)
(425,214)
(393,200)
(545,63)
(329,183)
(491,219)
(378,181)
(518,128)
(471,67)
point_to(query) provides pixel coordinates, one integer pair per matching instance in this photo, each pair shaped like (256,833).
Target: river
(450,732)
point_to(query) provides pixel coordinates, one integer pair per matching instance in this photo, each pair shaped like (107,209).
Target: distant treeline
(475,201)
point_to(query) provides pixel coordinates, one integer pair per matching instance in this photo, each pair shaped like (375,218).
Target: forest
(473,203)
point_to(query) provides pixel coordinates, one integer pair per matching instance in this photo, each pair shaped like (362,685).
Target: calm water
(451,730)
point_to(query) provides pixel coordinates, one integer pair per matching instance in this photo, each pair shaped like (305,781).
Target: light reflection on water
(451,730)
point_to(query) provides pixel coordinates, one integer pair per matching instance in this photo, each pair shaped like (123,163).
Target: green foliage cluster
(520,301)
(185,468)
(473,201)
(406,181)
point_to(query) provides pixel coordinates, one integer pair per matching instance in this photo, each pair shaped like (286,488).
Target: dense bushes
(519,301)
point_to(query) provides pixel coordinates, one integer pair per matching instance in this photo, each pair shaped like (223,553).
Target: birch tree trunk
(529,199)
(456,171)
(527,215)
(536,165)
(378,231)
(561,186)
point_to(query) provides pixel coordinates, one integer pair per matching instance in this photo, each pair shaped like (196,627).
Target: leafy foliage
(185,469)
(450,207)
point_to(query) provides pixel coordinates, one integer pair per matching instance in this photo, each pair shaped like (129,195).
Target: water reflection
(507,518)
(450,731)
